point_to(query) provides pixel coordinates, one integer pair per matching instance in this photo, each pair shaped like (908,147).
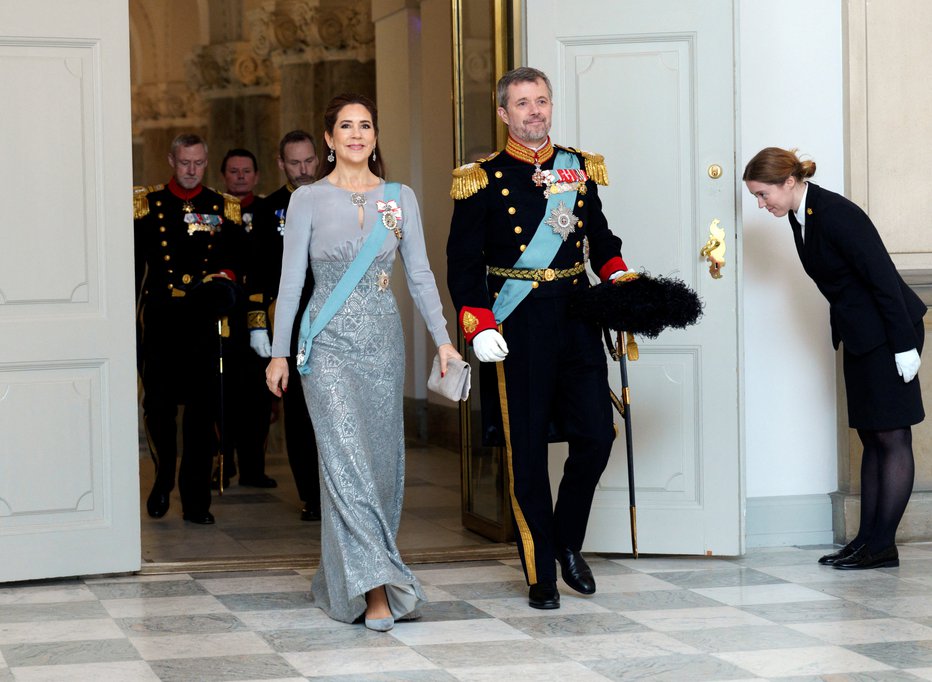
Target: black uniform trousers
(251,408)
(555,370)
(300,440)
(179,359)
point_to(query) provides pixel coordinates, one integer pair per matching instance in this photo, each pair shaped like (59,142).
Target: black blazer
(870,304)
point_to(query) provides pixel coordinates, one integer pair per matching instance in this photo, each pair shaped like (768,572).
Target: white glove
(490,346)
(615,275)
(907,364)
(259,342)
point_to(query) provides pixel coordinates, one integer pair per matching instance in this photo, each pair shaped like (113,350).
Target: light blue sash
(346,285)
(539,252)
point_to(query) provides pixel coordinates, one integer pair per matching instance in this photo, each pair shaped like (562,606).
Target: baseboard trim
(789,520)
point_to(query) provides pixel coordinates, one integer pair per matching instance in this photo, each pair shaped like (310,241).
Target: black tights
(887,471)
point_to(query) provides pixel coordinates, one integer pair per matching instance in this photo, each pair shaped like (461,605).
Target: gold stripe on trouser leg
(527,541)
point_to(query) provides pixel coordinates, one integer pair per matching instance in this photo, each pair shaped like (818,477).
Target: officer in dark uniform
(246,395)
(525,222)
(297,158)
(181,245)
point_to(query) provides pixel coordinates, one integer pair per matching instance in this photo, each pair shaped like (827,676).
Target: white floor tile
(59,631)
(357,661)
(781,593)
(673,620)
(825,660)
(844,633)
(197,646)
(162,606)
(625,645)
(455,631)
(137,671)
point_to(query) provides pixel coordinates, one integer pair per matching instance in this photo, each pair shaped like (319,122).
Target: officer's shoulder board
(141,199)
(231,208)
(470,178)
(595,164)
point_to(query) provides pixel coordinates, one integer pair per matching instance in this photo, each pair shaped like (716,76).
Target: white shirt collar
(801,213)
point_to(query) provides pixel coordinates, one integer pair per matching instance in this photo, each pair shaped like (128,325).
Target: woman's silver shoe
(380,624)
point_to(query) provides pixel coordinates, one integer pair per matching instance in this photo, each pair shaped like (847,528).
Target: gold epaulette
(141,200)
(595,167)
(469,179)
(231,208)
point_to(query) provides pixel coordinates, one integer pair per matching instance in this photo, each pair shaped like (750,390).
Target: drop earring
(373,154)
(330,157)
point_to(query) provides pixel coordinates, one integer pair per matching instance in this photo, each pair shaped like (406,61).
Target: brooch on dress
(562,221)
(382,281)
(391,215)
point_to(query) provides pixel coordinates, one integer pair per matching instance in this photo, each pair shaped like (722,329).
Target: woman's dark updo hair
(331,115)
(773,166)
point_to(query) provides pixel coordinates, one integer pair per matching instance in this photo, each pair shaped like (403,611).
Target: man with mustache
(297,159)
(525,222)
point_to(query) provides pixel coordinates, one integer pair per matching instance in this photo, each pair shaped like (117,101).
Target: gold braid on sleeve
(595,168)
(467,180)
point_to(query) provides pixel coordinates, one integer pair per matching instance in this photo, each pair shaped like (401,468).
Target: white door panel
(68,445)
(650,85)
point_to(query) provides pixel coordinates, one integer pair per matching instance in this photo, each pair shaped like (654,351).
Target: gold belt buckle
(549,275)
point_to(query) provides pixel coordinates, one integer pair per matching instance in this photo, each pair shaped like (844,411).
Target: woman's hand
(276,376)
(447,352)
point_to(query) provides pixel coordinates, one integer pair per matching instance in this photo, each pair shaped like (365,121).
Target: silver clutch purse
(455,383)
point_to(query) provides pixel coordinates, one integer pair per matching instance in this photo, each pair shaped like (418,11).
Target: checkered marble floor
(772,614)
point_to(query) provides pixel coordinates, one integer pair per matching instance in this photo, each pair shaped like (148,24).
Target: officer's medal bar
(560,180)
(202,222)
(280,214)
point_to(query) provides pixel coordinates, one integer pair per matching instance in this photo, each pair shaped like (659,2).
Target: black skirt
(878,400)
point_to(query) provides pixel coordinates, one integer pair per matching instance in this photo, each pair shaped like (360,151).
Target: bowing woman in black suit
(878,320)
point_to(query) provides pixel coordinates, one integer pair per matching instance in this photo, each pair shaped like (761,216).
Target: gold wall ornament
(714,249)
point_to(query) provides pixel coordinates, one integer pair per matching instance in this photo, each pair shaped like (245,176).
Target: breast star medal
(562,221)
(382,281)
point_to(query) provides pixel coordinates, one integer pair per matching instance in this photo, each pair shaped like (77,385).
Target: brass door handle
(714,249)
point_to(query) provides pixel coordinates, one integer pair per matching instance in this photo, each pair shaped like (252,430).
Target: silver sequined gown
(354,391)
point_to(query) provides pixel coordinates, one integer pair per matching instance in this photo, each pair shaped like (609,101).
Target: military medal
(562,221)
(247,222)
(202,222)
(391,215)
(280,214)
(187,207)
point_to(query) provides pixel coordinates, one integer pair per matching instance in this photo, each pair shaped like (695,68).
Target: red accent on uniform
(246,201)
(485,317)
(611,267)
(230,274)
(181,192)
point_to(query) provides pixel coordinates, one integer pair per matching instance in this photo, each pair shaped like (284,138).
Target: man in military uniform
(525,222)
(297,158)
(247,396)
(184,262)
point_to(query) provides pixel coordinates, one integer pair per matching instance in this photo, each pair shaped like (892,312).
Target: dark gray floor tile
(58,653)
(200,624)
(491,590)
(220,575)
(223,669)
(450,610)
(265,601)
(898,654)
(721,577)
(675,668)
(246,498)
(164,588)
(491,654)
(340,637)
(650,600)
(575,624)
(77,610)
(396,676)
(813,611)
(745,638)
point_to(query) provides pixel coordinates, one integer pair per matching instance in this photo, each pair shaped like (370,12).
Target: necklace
(358,199)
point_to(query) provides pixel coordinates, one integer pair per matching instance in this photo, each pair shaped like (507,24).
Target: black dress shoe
(842,553)
(575,571)
(310,515)
(544,596)
(260,482)
(863,558)
(203,518)
(157,504)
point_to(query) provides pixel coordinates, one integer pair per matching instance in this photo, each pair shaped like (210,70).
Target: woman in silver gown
(354,389)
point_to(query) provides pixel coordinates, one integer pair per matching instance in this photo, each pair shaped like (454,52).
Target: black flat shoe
(863,558)
(310,515)
(843,553)
(157,504)
(544,596)
(260,482)
(202,518)
(575,571)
